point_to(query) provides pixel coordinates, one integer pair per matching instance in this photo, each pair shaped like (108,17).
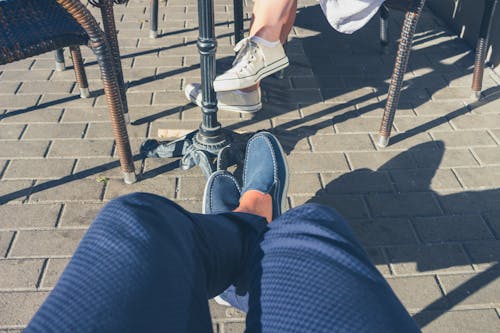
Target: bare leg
(272,20)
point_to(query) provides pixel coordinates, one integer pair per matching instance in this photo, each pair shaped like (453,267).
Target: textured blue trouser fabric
(147,265)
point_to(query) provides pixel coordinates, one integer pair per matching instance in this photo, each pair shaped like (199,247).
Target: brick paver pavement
(426,207)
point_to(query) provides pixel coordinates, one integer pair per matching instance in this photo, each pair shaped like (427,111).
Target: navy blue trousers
(147,265)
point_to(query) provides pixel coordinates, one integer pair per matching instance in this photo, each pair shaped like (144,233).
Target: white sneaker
(236,101)
(253,62)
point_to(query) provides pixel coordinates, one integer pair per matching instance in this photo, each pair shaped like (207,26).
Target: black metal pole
(210,129)
(59,56)
(238,20)
(482,46)
(153,31)
(384,28)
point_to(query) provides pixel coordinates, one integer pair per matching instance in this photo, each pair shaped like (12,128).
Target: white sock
(265,42)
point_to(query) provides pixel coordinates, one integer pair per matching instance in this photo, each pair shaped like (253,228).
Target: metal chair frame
(105,47)
(413,10)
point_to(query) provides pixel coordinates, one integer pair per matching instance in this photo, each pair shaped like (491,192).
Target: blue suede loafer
(265,169)
(222,193)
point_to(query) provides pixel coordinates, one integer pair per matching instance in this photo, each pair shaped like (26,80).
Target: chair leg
(153,30)
(238,20)
(59,56)
(409,26)
(108,22)
(80,75)
(482,47)
(384,29)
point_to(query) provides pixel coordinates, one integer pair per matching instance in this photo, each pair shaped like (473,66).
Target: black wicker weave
(32,27)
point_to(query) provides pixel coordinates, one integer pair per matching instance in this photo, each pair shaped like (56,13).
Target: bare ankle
(257,203)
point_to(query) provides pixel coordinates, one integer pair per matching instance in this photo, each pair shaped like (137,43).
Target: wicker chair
(32,27)
(413,9)
(238,20)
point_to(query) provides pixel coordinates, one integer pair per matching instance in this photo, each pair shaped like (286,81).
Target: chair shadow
(399,232)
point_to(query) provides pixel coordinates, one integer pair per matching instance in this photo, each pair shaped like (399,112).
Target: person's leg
(147,265)
(270,17)
(311,275)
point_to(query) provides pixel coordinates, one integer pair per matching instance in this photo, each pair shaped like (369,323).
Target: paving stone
(380,160)
(29,216)
(439,109)
(311,162)
(424,180)
(234,327)
(5,241)
(79,214)
(20,274)
(484,254)
(349,206)
(11,302)
(384,232)
(357,181)
(304,183)
(26,76)
(14,190)
(460,93)
(81,148)
(479,177)
(53,271)
(470,201)
(11,131)
(493,219)
(32,116)
(23,149)
(98,167)
(67,189)
(479,122)
(160,185)
(485,321)
(323,110)
(357,125)
(428,292)
(496,134)
(452,228)
(19,101)
(488,155)
(464,138)
(428,259)
(422,124)
(478,290)
(83,115)
(48,87)
(342,143)
(294,96)
(54,131)
(403,204)
(191,187)
(299,127)
(38,168)
(9,88)
(71,101)
(46,243)
(104,130)
(434,157)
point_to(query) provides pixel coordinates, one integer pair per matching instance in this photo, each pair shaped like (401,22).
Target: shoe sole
(233,108)
(227,85)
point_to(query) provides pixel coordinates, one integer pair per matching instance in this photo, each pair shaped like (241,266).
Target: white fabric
(347,16)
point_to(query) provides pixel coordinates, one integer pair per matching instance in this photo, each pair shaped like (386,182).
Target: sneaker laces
(246,53)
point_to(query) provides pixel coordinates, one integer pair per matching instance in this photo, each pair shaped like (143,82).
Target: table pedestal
(210,146)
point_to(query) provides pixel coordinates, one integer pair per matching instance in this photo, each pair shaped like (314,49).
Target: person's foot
(222,193)
(265,173)
(256,59)
(235,100)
